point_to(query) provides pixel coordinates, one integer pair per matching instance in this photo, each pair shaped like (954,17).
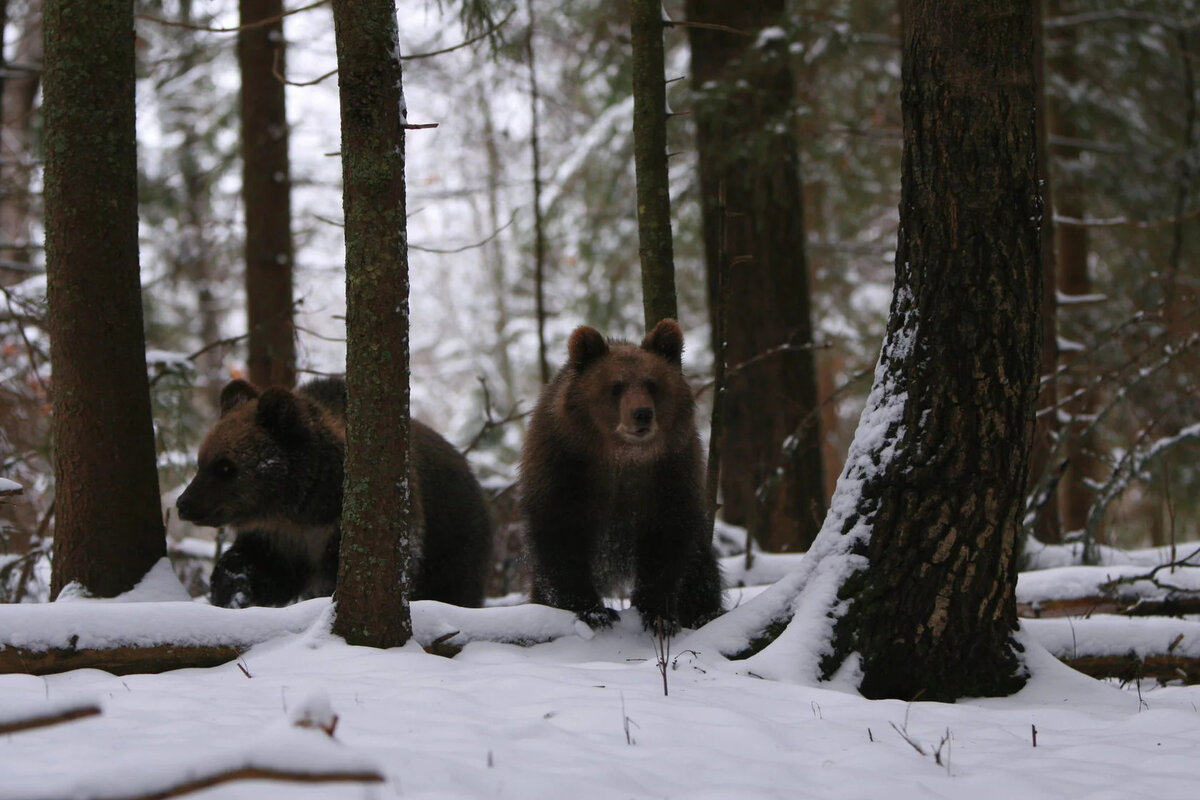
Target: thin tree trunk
(1045,508)
(377,513)
(539,235)
(929,508)
(650,159)
(16,146)
(109,528)
(1073,280)
(771,479)
(495,261)
(196,253)
(266,189)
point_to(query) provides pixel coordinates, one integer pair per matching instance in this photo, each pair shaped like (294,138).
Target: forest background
(1122,135)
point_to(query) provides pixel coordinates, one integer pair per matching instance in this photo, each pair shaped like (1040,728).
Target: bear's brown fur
(271,469)
(611,484)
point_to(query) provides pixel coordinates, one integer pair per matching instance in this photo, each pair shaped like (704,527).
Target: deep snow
(573,717)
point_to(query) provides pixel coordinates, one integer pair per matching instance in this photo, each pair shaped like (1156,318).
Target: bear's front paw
(230,589)
(599,617)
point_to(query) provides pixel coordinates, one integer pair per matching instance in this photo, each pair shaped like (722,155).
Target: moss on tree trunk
(372,607)
(650,160)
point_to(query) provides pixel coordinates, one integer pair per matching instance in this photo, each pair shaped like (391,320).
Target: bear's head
(263,460)
(633,398)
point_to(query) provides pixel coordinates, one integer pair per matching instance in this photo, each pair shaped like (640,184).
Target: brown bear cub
(611,485)
(271,469)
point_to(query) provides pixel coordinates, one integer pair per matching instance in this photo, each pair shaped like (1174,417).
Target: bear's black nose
(643,416)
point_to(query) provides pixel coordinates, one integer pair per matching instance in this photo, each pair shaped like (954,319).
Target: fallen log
(129,638)
(1133,606)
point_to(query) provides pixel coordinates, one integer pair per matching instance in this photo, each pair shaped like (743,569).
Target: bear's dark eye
(617,388)
(224,469)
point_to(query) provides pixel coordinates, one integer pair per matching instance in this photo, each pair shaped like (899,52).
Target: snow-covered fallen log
(125,638)
(1115,589)
(1120,647)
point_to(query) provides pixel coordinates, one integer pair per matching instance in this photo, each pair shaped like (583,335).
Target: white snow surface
(9,486)
(581,719)
(572,717)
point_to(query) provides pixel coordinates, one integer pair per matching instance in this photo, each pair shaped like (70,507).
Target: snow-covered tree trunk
(377,514)
(913,576)
(266,190)
(108,521)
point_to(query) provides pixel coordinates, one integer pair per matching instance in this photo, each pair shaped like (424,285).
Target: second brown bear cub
(611,485)
(271,469)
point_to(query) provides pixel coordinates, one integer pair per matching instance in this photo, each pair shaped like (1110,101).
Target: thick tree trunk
(650,159)
(108,521)
(377,514)
(266,190)
(771,478)
(931,502)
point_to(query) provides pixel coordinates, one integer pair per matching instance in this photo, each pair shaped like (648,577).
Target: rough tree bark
(377,515)
(650,161)
(108,521)
(266,191)
(747,144)
(928,512)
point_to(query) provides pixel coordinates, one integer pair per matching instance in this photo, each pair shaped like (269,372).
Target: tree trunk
(377,513)
(1073,280)
(771,477)
(16,148)
(266,189)
(650,159)
(929,508)
(1042,477)
(109,528)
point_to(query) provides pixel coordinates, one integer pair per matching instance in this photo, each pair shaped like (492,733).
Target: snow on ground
(574,717)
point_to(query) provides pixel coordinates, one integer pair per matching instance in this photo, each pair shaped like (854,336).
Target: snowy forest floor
(573,717)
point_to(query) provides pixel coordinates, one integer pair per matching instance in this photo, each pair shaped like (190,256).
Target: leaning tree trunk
(377,518)
(650,160)
(925,523)
(108,519)
(771,474)
(266,192)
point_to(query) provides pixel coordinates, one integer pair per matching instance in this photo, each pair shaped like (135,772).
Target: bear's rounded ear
(666,340)
(586,345)
(235,393)
(279,414)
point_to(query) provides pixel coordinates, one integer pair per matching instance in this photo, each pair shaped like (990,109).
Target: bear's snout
(186,507)
(642,417)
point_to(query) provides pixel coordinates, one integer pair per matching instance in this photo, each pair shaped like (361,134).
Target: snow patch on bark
(796,655)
